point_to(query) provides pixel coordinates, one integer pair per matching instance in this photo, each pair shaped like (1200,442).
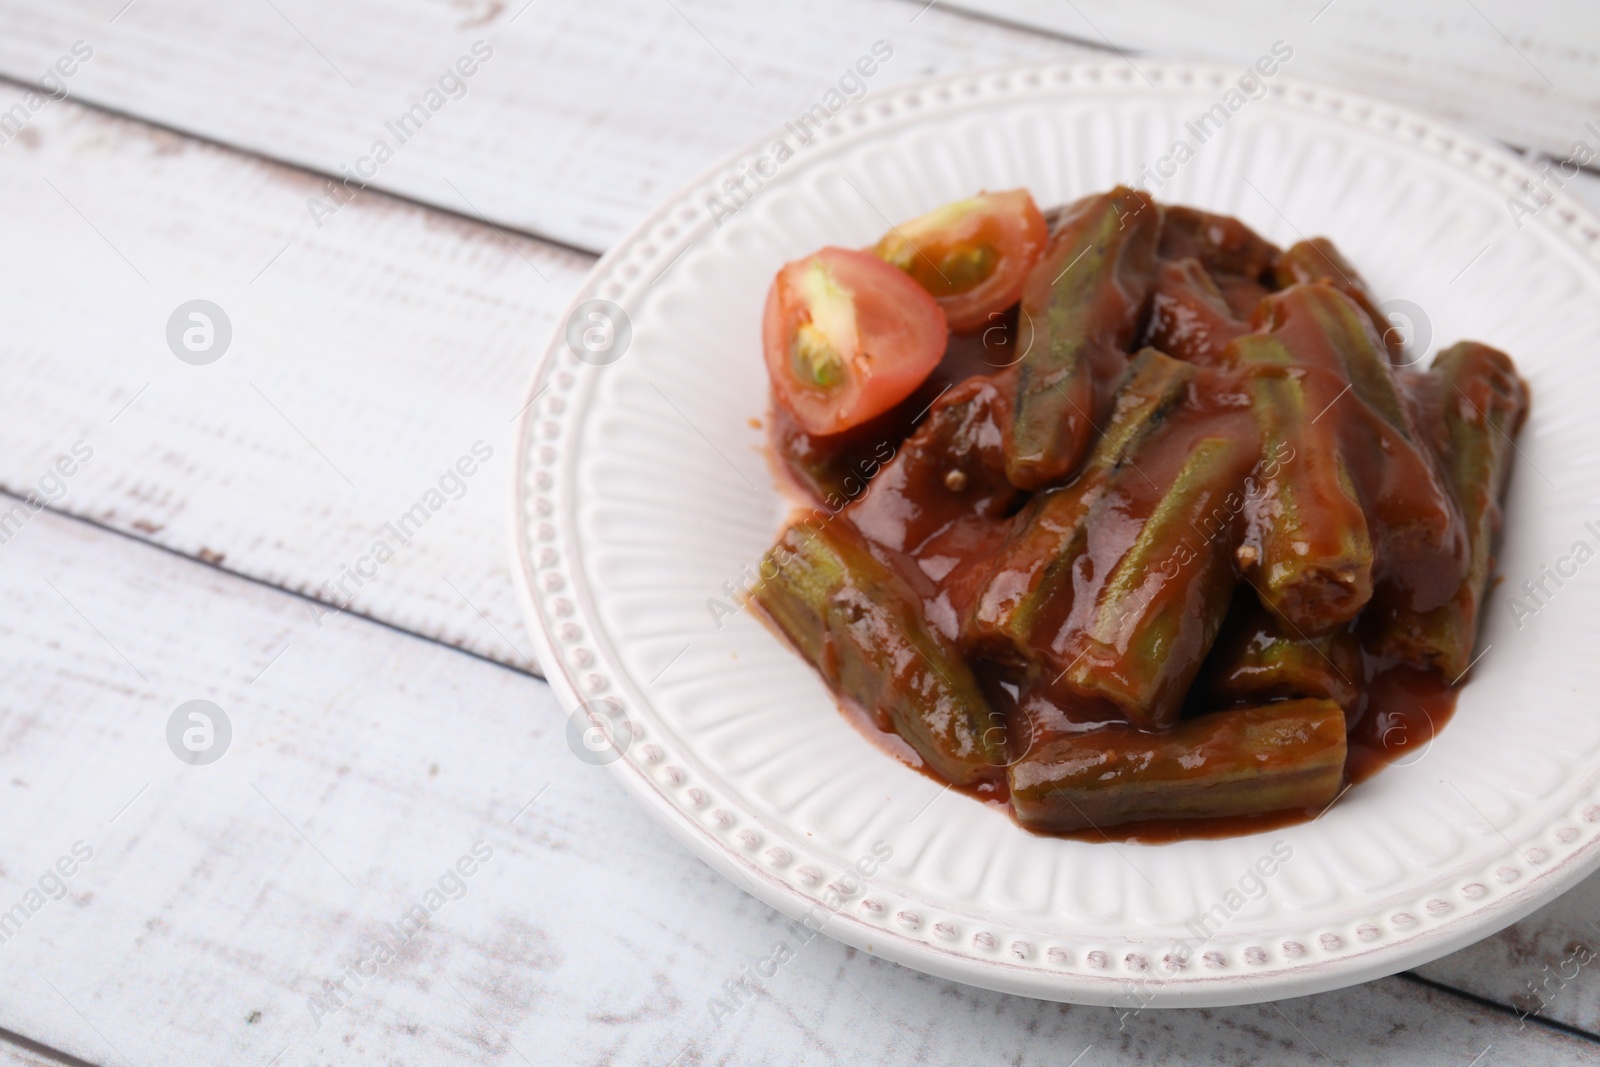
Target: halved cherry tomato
(848,337)
(972,255)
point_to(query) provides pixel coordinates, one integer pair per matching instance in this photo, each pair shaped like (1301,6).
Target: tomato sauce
(925,487)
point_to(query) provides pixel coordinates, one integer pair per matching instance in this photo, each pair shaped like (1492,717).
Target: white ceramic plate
(642,491)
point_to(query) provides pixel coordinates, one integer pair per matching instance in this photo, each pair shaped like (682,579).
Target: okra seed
(955,480)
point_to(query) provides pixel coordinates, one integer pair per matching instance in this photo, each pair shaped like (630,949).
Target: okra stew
(1123,517)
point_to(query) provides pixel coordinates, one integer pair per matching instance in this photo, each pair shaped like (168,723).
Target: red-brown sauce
(941,519)
(1400,710)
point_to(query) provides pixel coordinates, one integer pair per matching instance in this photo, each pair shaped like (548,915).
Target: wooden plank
(367,360)
(238,510)
(583,118)
(580,121)
(1527,74)
(1545,967)
(369,357)
(218,899)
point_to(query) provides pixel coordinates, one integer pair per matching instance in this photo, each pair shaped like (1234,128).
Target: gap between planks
(968,13)
(258,156)
(992,18)
(1489,1004)
(36,1051)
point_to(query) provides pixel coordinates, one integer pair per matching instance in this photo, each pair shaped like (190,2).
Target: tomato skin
(847,337)
(972,255)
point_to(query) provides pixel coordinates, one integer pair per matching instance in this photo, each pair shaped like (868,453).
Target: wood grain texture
(1545,967)
(180,473)
(389,341)
(363,765)
(586,115)
(366,360)
(1527,74)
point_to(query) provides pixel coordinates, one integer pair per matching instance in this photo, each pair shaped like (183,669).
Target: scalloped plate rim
(1032,979)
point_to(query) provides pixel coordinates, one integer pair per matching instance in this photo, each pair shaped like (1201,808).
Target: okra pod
(1222,244)
(1307,549)
(1080,309)
(952,467)
(864,629)
(1227,763)
(1152,613)
(1419,546)
(837,469)
(1480,402)
(1031,578)
(1347,344)
(1237,259)
(1317,260)
(1189,319)
(1257,658)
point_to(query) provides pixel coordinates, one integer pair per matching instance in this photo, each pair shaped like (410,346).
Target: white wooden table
(384,727)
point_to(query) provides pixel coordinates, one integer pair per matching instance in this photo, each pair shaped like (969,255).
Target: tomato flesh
(847,337)
(972,255)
